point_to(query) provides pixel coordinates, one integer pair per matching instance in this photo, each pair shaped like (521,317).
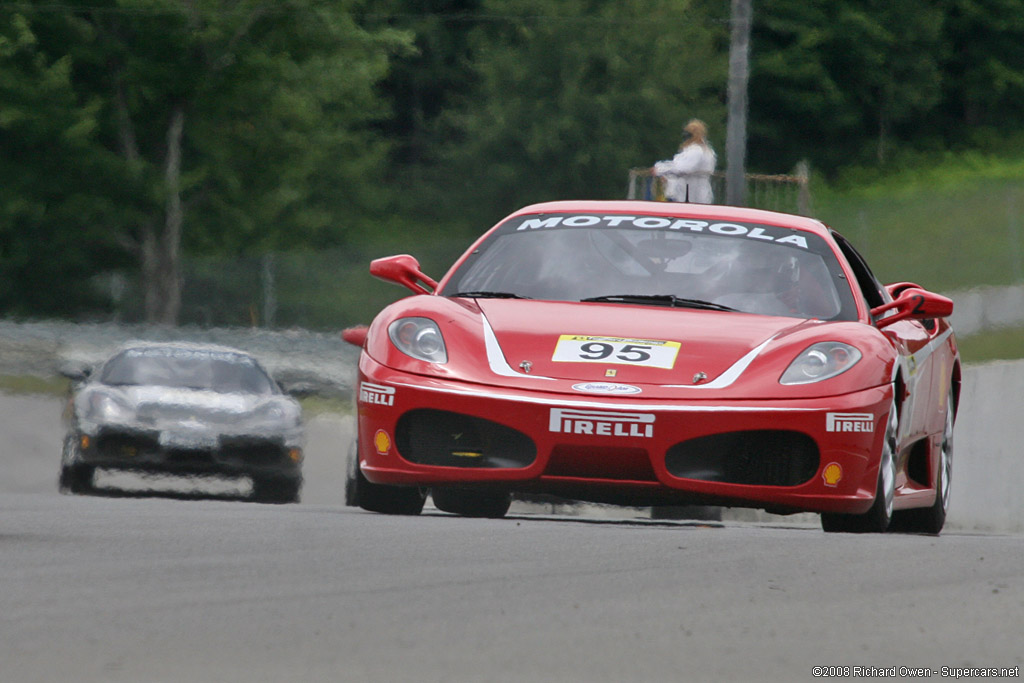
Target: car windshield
(223,372)
(658,261)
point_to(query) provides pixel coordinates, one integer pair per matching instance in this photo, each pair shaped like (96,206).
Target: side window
(873,291)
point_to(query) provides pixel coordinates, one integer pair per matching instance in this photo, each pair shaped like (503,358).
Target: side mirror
(916,304)
(897,288)
(404,270)
(355,335)
(299,390)
(75,372)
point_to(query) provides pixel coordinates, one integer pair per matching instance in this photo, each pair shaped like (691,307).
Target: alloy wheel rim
(888,463)
(946,456)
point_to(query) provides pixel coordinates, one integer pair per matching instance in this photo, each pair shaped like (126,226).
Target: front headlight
(279,414)
(100,407)
(419,338)
(819,362)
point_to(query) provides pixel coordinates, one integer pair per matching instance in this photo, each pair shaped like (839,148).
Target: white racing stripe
(496,358)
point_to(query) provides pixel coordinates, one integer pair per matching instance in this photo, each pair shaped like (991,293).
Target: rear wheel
(471,502)
(388,500)
(877,519)
(930,520)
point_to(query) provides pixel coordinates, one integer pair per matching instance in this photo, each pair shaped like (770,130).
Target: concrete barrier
(988,466)
(987,308)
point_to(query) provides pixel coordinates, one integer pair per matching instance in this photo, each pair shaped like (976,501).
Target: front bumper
(815,455)
(164,451)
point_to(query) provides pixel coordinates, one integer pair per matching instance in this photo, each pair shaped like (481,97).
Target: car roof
(682,210)
(183,346)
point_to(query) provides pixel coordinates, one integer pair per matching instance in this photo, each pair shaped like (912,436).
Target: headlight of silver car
(819,362)
(278,413)
(419,338)
(101,407)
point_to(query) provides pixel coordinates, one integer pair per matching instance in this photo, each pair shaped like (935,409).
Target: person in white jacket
(688,174)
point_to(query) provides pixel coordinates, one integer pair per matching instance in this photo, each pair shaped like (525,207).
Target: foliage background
(321,134)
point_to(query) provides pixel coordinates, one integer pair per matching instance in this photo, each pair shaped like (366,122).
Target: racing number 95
(630,353)
(577,348)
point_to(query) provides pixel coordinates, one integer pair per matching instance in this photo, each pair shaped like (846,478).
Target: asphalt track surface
(139,589)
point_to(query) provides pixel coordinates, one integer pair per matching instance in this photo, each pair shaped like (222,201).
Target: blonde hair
(698,131)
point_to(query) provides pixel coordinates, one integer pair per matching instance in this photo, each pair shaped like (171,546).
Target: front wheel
(877,519)
(76,479)
(388,500)
(75,476)
(472,503)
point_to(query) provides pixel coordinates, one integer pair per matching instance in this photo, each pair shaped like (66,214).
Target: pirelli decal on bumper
(601,423)
(376,393)
(849,422)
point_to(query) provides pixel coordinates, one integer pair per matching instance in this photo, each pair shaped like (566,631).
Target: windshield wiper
(661,299)
(482,294)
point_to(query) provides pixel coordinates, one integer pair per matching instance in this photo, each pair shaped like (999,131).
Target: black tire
(277,490)
(930,520)
(877,519)
(472,502)
(388,500)
(351,480)
(75,477)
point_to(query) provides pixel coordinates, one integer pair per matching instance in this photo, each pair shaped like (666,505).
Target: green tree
(888,57)
(983,84)
(51,177)
(572,94)
(836,80)
(429,79)
(236,126)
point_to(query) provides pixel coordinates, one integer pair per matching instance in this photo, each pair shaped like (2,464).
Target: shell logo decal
(832,473)
(382,442)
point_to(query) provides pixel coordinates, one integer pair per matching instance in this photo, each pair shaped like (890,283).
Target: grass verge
(1003,344)
(57,387)
(30,384)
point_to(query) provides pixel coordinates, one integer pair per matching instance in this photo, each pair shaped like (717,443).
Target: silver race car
(183,409)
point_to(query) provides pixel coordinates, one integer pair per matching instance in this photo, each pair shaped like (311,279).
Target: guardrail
(780,192)
(319,360)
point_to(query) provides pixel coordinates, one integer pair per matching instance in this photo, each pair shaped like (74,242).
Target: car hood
(159,406)
(194,399)
(686,346)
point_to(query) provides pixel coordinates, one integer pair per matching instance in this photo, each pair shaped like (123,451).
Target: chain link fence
(330,289)
(327,289)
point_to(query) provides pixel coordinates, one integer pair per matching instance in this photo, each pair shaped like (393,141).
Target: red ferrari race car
(648,353)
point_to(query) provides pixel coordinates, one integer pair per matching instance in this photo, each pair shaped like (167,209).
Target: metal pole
(736,133)
(1013,237)
(269,292)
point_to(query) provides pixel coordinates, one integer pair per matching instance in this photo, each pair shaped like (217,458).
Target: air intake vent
(440,437)
(758,458)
